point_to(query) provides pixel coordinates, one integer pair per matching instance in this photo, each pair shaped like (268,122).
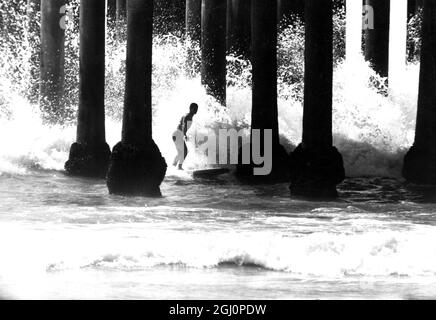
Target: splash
(371,130)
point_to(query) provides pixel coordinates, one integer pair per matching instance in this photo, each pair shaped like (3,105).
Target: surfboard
(209,173)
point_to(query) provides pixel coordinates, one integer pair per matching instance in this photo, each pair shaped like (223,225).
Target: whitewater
(67,238)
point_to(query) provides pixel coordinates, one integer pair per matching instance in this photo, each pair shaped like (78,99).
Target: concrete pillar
(420,161)
(213,48)
(239,27)
(264,60)
(89,156)
(377,38)
(193,33)
(193,20)
(33,11)
(264,115)
(51,88)
(317,166)
(137,166)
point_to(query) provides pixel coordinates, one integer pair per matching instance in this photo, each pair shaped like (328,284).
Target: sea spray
(371,130)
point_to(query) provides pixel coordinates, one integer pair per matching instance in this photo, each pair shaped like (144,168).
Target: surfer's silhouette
(180,136)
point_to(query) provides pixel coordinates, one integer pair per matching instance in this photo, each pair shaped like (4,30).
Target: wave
(371,129)
(410,252)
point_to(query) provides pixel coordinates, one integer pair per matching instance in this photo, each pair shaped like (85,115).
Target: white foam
(369,253)
(371,130)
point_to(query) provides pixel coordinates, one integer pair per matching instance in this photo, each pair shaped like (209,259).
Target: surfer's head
(193,108)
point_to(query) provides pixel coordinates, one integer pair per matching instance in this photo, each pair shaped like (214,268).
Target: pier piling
(420,161)
(239,27)
(316,166)
(213,48)
(377,38)
(193,33)
(33,11)
(89,156)
(51,87)
(137,166)
(264,114)
(193,20)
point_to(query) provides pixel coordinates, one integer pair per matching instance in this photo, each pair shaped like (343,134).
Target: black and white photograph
(217,150)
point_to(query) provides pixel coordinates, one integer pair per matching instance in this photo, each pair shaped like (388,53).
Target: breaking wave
(371,129)
(379,253)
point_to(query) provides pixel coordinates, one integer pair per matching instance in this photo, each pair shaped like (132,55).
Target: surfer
(180,136)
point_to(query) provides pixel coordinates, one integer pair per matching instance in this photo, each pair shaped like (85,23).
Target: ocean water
(67,238)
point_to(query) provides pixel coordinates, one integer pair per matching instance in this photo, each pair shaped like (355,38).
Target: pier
(420,161)
(193,20)
(136,165)
(245,29)
(52,62)
(89,156)
(377,36)
(316,166)
(213,48)
(264,115)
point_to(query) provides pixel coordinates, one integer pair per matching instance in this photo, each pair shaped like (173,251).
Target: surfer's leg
(176,159)
(182,155)
(178,141)
(180,151)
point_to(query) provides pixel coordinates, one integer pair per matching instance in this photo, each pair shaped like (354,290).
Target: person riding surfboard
(180,136)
